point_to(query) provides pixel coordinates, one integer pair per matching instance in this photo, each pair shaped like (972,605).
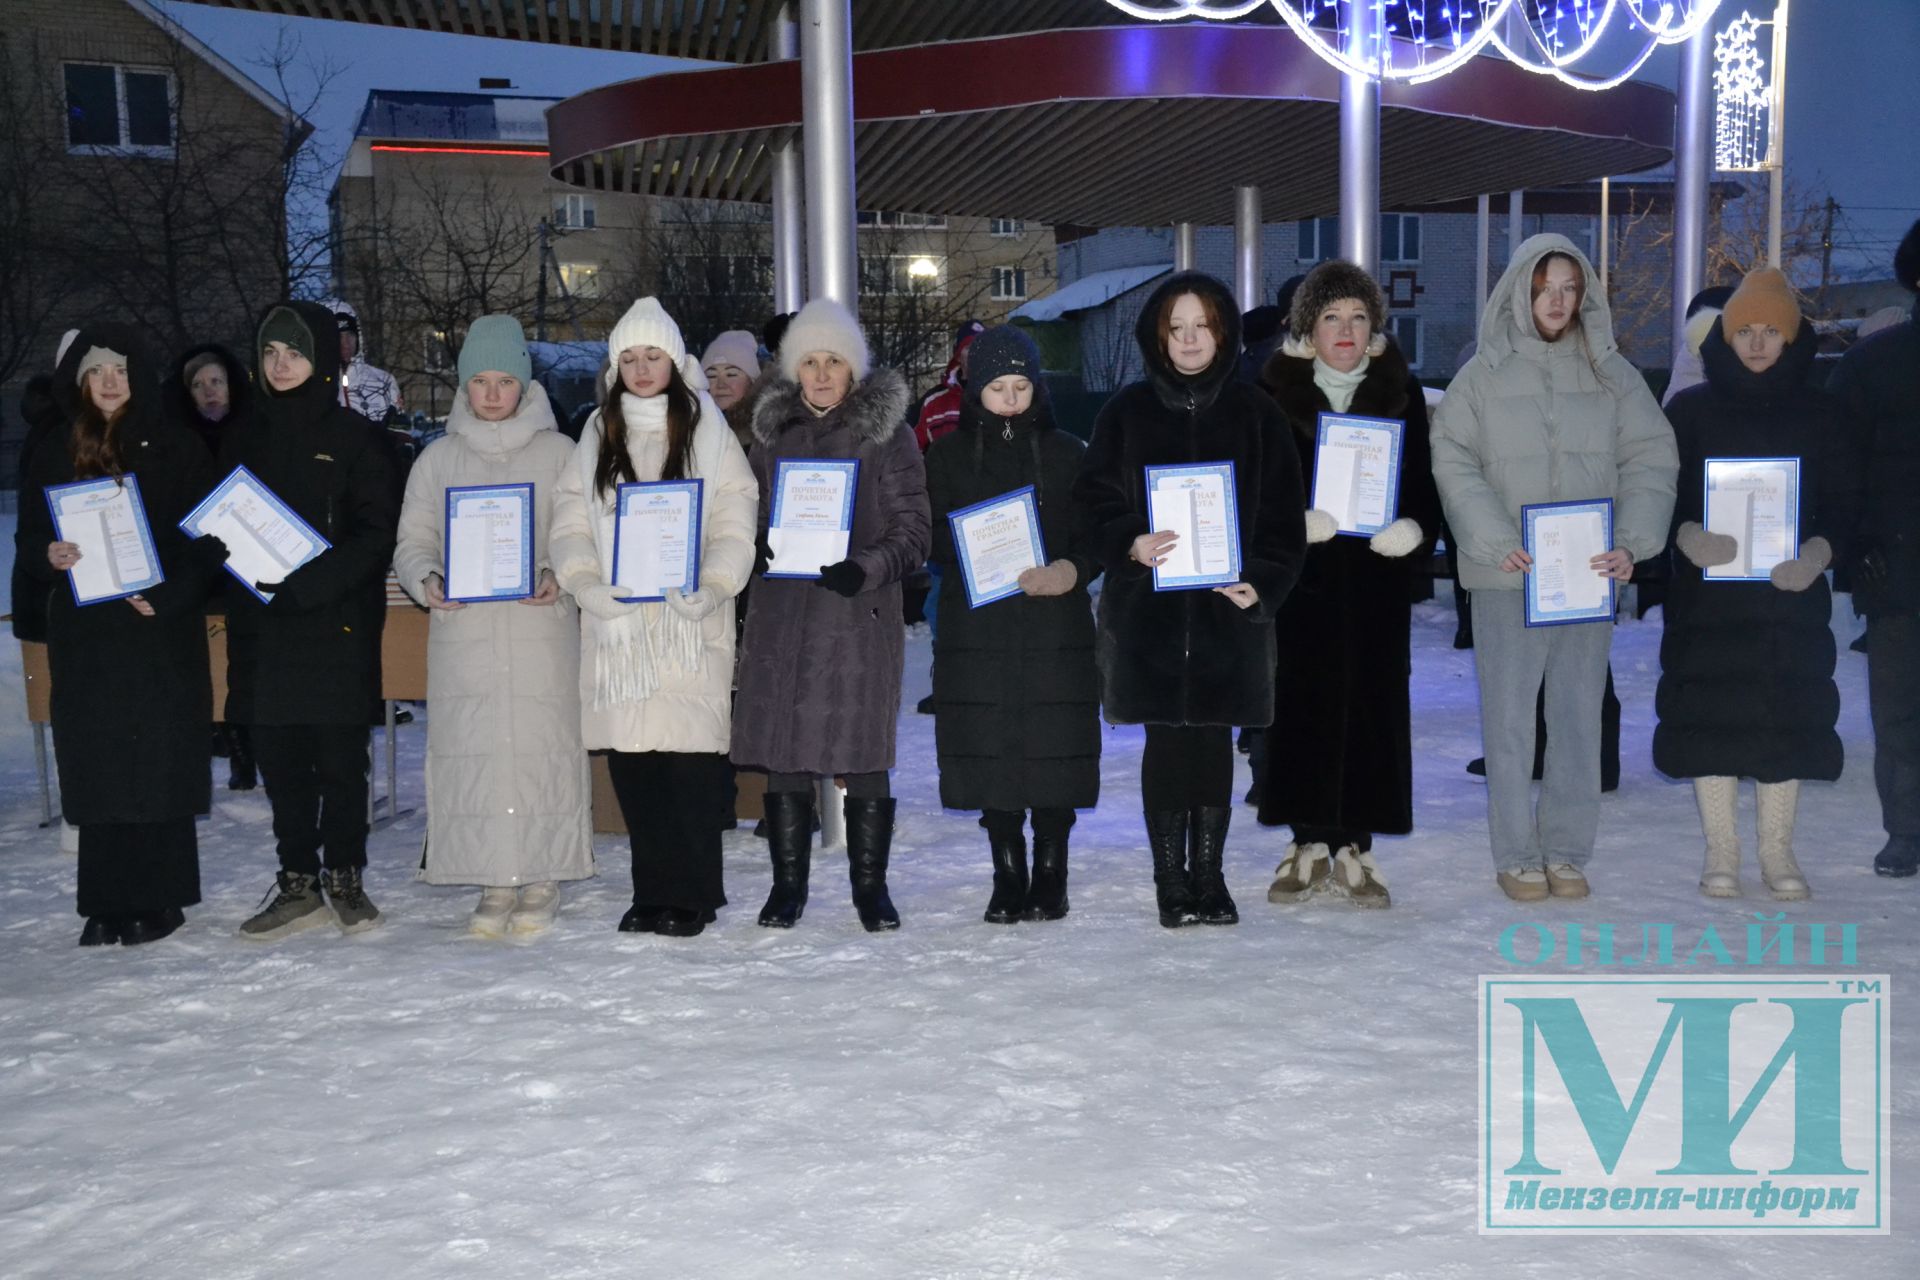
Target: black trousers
(1893,694)
(1333,838)
(136,868)
(316,778)
(860,786)
(671,801)
(1046,822)
(1186,766)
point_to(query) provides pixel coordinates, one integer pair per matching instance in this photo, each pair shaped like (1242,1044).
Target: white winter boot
(1300,874)
(539,903)
(495,909)
(1717,798)
(1778,800)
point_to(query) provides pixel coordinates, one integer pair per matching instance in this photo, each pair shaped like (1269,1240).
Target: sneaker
(1300,874)
(1357,878)
(353,911)
(1529,884)
(497,903)
(294,904)
(539,903)
(1564,880)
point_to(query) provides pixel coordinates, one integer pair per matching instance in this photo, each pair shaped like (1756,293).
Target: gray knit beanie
(495,344)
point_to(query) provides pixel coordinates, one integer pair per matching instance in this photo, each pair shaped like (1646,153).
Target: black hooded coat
(240,396)
(312,655)
(1190,657)
(132,698)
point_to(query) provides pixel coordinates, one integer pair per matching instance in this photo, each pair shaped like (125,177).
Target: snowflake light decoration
(1742,98)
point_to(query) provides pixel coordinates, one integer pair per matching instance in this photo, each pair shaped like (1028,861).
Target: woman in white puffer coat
(508,798)
(656,679)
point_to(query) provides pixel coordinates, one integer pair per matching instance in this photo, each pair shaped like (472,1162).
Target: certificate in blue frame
(1547,606)
(1729,469)
(1355,428)
(798,467)
(1157,477)
(107,487)
(629,501)
(461,495)
(195,522)
(1022,506)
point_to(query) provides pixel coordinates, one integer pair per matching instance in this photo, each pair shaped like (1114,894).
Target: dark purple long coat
(819,680)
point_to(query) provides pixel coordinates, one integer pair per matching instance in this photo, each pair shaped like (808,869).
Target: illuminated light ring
(1576,82)
(1188,9)
(1414,75)
(1580,51)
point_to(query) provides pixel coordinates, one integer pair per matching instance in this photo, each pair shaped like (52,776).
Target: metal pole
(1360,144)
(789,215)
(1184,253)
(1692,161)
(1516,225)
(40,763)
(1777,148)
(1246,247)
(826,122)
(1603,241)
(1484,210)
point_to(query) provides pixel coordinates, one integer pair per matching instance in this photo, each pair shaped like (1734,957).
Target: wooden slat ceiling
(714,30)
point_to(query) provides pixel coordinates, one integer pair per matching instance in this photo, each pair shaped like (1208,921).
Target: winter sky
(1853,92)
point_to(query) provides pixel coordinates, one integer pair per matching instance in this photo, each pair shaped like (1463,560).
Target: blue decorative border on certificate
(781,466)
(1024,497)
(1793,509)
(524,491)
(695,489)
(1393,427)
(1206,581)
(1540,613)
(190,524)
(140,513)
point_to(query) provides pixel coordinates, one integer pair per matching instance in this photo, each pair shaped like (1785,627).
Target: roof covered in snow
(1089,291)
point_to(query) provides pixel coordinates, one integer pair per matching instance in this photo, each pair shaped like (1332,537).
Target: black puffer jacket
(132,698)
(1878,386)
(1017,719)
(1190,657)
(312,656)
(1746,680)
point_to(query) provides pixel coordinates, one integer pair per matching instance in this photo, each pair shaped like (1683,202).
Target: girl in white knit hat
(656,678)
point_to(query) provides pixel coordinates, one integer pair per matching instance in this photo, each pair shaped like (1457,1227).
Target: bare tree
(28,292)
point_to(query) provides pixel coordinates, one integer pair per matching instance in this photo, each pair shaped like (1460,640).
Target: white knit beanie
(647,324)
(824,325)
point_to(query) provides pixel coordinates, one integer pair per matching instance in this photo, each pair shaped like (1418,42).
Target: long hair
(1580,284)
(94,441)
(683,415)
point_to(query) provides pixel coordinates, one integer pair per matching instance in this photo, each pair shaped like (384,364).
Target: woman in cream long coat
(508,800)
(656,679)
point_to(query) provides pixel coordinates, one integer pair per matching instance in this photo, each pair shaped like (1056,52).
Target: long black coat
(132,700)
(1746,669)
(240,396)
(1878,386)
(1190,657)
(312,656)
(1342,754)
(1015,691)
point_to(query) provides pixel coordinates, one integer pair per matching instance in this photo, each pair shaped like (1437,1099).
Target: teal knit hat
(495,344)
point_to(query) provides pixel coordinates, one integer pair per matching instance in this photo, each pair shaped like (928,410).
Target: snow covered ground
(1094,1098)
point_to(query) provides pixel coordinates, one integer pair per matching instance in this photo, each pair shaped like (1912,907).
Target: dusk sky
(1854,93)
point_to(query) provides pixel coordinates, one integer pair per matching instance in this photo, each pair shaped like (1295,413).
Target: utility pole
(1826,256)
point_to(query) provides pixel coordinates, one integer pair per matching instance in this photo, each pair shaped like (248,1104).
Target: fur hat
(1327,284)
(736,347)
(495,344)
(824,325)
(647,324)
(1764,297)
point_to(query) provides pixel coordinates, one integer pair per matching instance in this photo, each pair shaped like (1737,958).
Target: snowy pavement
(1094,1098)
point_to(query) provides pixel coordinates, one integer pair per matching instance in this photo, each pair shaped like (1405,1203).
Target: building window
(1406,335)
(1009,284)
(903,221)
(898,273)
(1319,239)
(581,279)
(1399,237)
(119,109)
(1006,227)
(574,211)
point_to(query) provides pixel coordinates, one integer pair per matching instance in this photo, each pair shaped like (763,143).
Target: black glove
(847,578)
(762,555)
(211,551)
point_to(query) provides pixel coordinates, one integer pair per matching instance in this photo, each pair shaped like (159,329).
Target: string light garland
(1742,98)
(1421,40)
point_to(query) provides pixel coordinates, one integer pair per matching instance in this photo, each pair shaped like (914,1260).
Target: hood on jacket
(1507,327)
(143,378)
(320,392)
(38,407)
(239,383)
(874,408)
(510,435)
(1172,386)
(1729,376)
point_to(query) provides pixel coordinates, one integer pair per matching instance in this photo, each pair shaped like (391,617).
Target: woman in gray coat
(819,680)
(1546,411)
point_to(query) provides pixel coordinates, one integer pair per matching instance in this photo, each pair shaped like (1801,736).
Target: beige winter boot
(490,918)
(1717,798)
(1778,800)
(1300,874)
(1357,878)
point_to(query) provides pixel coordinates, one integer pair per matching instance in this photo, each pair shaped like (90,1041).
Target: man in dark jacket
(303,668)
(1879,388)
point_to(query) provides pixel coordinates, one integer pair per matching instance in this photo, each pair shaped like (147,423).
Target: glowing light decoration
(1742,99)
(1421,40)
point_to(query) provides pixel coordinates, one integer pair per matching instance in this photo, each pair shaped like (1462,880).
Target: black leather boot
(245,776)
(869,839)
(1167,837)
(1047,894)
(1213,903)
(1009,900)
(790,839)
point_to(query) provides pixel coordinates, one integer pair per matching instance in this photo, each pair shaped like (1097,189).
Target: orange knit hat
(1764,297)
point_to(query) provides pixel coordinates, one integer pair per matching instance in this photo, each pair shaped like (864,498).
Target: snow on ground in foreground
(1094,1098)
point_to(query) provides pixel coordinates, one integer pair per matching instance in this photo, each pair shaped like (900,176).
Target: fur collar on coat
(874,409)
